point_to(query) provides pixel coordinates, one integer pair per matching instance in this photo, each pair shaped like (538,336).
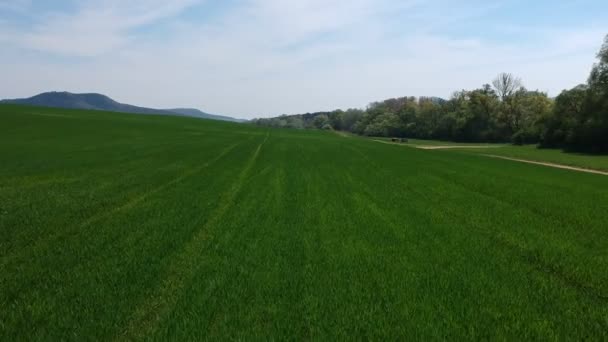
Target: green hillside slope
(117,226)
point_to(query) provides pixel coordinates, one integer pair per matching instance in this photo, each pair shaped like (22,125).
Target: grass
(118,226)
(526,152)
(531,152)
(420,142)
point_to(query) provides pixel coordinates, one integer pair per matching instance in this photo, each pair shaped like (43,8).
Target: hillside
(199,114)
(92,101)
(126,227)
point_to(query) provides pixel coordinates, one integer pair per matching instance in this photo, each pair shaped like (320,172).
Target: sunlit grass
(134,227)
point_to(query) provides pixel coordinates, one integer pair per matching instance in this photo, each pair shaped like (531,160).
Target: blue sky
(255,58)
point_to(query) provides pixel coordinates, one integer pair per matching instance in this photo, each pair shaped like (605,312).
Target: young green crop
(531,152)
(116,226)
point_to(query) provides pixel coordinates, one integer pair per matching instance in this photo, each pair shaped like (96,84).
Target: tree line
(503,111)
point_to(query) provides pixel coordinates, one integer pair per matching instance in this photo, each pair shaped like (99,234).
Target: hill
(166,228)
(93,101)
(195,113)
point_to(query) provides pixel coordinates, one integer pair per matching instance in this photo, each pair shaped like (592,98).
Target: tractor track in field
(126,205)
(182,269)
(528,256)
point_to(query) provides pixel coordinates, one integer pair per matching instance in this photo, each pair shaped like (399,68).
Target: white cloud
(96,27)
(268,57)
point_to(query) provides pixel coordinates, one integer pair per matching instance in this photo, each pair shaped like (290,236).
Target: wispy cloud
(266,57)
(95,27)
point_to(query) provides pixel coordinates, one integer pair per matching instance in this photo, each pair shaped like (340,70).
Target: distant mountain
(102,102)
(198,114)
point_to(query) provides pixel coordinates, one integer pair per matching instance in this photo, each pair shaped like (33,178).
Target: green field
(121,227)
(526,152)
(419,142)
(531,152)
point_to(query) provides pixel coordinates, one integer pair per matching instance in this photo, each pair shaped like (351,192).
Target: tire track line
(526,255)
(126,206)
(182,269)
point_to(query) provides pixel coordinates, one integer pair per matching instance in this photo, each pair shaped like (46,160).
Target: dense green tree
(558,128)
(428,117)
(580,118)
(530,109)
(482,105)
(350,119)
(295,122)
(593,130)
(336,119)
(321,121)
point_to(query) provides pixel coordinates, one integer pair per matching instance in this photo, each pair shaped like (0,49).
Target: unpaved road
(557,166)
(342,134)
(447,147)
(437,147)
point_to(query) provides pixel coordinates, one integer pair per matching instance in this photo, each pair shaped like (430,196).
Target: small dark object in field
(399,140)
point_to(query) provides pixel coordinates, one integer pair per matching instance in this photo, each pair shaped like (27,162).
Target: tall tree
(508,88)
(580,118)
(321,121)
(506,85)
(594,126)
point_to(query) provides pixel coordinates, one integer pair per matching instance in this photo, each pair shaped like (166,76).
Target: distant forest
(504,111)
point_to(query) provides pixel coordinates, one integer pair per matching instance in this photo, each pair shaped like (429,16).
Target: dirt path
(437,147)
(557,166)
(447,147)
(342,134)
